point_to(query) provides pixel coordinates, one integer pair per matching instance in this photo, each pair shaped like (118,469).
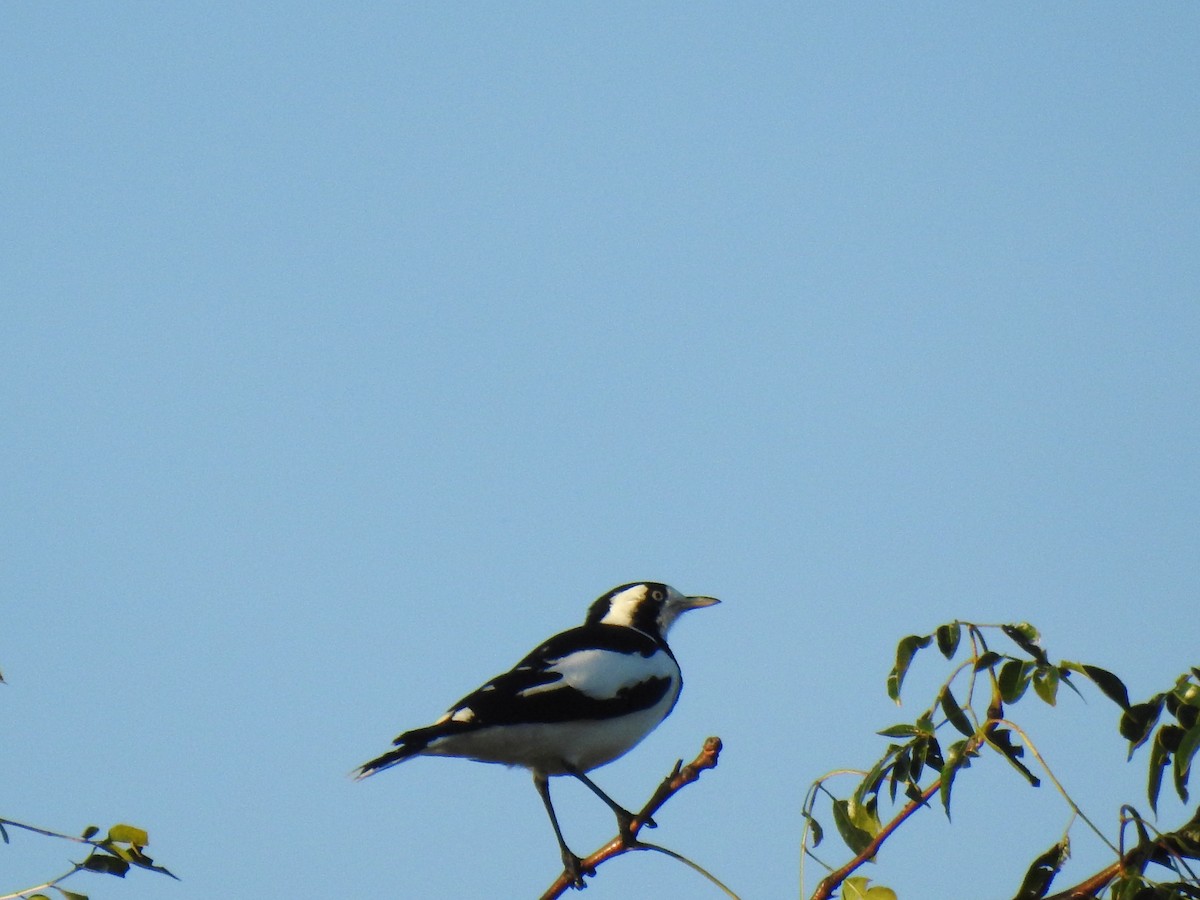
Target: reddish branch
(833,880)
(1088,889)
(680,777)
(1135,859)
(1091,886)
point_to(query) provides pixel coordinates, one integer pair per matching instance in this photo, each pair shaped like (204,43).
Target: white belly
(583,744)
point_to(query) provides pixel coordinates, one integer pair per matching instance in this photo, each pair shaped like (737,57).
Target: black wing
(512,698)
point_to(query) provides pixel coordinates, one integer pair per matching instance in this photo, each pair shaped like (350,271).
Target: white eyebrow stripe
(601,674)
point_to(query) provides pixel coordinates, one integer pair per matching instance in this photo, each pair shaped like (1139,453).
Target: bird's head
(648,606)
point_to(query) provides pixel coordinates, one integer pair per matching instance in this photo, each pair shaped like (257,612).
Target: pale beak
(697,603)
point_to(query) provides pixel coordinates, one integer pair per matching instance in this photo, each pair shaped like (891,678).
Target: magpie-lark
(579,701)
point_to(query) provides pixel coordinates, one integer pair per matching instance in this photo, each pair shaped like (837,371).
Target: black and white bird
(580,700)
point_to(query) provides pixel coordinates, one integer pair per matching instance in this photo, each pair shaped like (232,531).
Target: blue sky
(351,350)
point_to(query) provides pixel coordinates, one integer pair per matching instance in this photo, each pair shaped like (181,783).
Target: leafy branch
(971,703)
(679,778)
(1126,878)
(122,848)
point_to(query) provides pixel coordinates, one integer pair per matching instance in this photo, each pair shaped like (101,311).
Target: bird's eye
(657,595)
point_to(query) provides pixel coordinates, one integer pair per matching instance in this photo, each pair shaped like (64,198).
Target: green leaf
(856,838)
(864,815)
(916,761)
(1188,716)
(1042,871)
(956,758)
(1188,692)
(38,897)
(905,651)
(1112,686)
(899,773)
(947,638)
(903,730)
(1171,736)
(1014,679)
(1027,638)
(1188,745)
(90,832)
(1045,683)
(873,779)
(1127,887)
(128,834)
(103,862)
(1159,757)
(933,753)
(954,713)
(1001,740)
(987,660)
(818,833)
(1187,838)
(1137,722)
(118,850)
(71,895)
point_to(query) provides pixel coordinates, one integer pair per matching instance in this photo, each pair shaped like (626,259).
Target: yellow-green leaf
(856,838)
(128,834)
(1045,683)
(859,888)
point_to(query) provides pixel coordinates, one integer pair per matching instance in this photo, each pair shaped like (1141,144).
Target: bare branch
(680,777)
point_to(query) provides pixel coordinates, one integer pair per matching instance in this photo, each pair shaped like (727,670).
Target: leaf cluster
(1172,850)
(123,847)
(1172,743)
(968,716)
(1009,674)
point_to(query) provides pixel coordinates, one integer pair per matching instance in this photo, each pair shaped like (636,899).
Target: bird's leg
(624,817)
(571,863)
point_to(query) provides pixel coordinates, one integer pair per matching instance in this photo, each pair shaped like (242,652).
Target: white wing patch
(462,714)
(602,674)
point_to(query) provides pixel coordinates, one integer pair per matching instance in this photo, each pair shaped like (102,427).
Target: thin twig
(53,882)
(1057,784)
(45,831)
(680,777)
(679,857)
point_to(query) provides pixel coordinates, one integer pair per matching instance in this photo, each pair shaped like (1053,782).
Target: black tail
(389,759)
(408,745)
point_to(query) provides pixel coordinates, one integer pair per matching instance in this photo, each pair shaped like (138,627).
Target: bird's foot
(625,820)
(575,869)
